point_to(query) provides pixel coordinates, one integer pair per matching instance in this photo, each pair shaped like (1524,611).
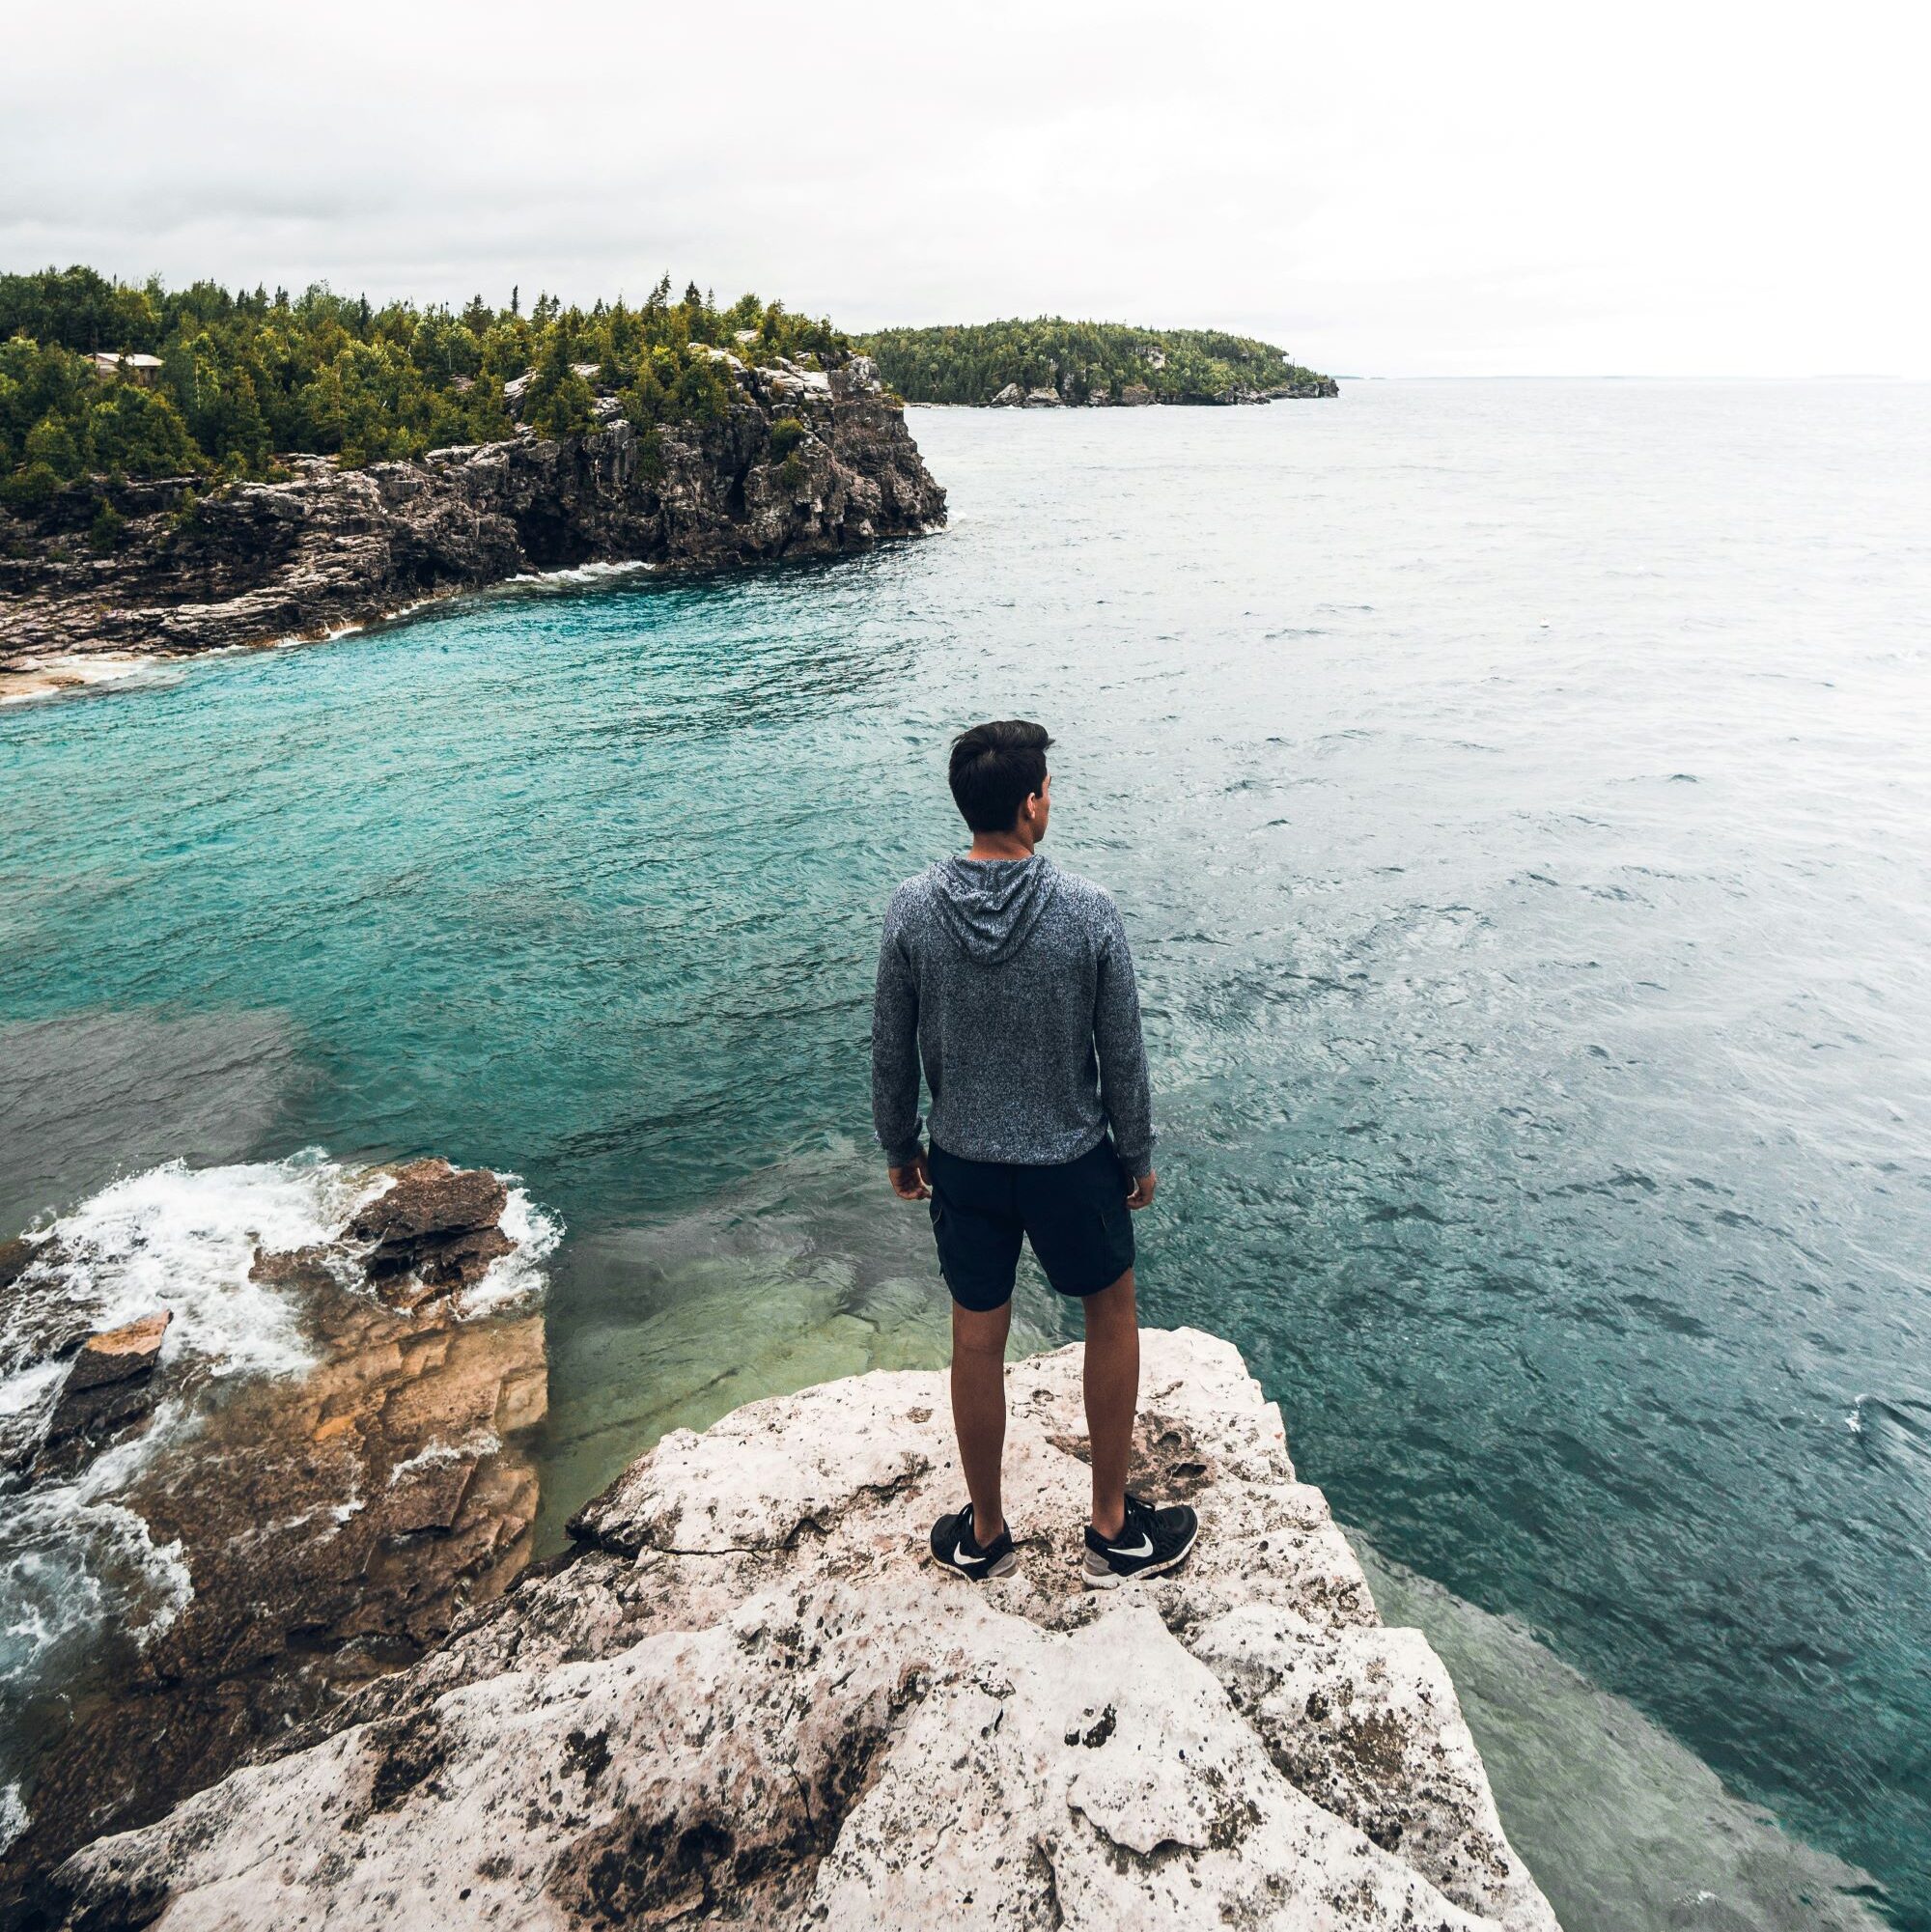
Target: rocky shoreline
(806,463)
(742,1698)
(309,1530)
(1138,395)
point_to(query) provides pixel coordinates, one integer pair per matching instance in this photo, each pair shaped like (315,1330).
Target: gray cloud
(1387,188)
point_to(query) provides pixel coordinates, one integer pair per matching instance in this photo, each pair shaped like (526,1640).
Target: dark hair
(996,767)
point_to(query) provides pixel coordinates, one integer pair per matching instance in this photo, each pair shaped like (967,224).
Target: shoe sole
(1005,1567)
(1111,1579)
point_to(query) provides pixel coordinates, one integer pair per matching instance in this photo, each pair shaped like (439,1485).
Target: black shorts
(1075,1215)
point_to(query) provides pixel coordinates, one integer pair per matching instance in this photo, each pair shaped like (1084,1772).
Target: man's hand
(1140,1195)
(912,1183)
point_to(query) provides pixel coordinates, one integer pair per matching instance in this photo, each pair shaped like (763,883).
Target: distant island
(189,468)
(1050,363)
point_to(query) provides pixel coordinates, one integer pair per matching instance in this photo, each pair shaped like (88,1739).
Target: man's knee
(977,1333)
(1112,1307)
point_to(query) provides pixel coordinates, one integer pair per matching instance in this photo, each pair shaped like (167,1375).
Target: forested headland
(114,379)
(1050,361)
(196,470)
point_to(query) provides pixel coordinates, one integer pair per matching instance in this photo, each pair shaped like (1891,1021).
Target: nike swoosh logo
(1145,1549)
(959,1557)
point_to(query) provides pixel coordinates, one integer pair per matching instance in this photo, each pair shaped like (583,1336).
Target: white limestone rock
(748,1701)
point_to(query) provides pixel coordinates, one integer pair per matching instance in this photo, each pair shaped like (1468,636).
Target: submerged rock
(254,563)
(748,1701)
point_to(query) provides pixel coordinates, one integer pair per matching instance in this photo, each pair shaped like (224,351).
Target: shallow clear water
(1519,798)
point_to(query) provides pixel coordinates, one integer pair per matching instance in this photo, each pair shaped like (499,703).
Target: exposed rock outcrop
(1305,386)
(436,1232)
(16,1258)
(257,562)
(117,1354)
(747,1701)
(108,1390)
(322,1527)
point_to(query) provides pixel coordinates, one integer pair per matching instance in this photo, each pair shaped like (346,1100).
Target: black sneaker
(953,1547)
(1150,1540)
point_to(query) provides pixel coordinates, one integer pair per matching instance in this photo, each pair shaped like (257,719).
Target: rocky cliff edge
(746,1701)
(804,463)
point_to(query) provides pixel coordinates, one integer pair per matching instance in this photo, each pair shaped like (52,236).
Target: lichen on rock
(746,1701)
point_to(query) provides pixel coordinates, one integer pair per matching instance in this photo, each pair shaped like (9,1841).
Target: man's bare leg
(1112,1395)
(979,1410)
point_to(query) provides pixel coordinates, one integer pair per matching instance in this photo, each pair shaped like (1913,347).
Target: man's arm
(895,1061)
(1125,1089)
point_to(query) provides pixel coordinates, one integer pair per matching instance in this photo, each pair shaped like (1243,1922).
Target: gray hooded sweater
(1012,983)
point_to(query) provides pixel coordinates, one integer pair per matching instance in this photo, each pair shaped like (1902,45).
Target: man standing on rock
(1011,981)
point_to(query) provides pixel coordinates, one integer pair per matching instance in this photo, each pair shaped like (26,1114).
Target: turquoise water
(1518,797)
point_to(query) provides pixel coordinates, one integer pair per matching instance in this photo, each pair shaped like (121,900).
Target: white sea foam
(185,1239)
(478,1442)
(327,635)
(32,1389)
(72,1558)
(14,1818)
(518,1275)
(583,572)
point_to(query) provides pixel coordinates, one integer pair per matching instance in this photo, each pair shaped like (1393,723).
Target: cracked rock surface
(746,1701)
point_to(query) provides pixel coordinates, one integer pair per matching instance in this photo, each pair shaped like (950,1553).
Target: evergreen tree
(1079,360)
(244,375)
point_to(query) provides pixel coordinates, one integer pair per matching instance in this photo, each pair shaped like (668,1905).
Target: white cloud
(1387,188)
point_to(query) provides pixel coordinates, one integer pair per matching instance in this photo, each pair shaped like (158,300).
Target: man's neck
(1000,844)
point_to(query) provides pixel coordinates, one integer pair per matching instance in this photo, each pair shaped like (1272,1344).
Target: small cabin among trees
(144,370)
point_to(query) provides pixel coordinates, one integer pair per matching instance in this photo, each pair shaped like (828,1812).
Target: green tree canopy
(244,375)
(1078,360)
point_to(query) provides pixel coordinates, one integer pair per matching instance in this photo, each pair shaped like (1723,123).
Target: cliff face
(258,562)
(746,1701)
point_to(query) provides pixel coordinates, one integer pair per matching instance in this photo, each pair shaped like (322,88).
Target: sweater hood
(990,906)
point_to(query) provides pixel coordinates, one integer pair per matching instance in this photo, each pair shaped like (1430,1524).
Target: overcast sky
(1385,190)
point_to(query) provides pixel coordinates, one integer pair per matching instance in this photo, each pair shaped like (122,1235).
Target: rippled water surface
(1519,795)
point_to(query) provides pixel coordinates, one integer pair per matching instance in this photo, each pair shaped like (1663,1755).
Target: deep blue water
(1519,795)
